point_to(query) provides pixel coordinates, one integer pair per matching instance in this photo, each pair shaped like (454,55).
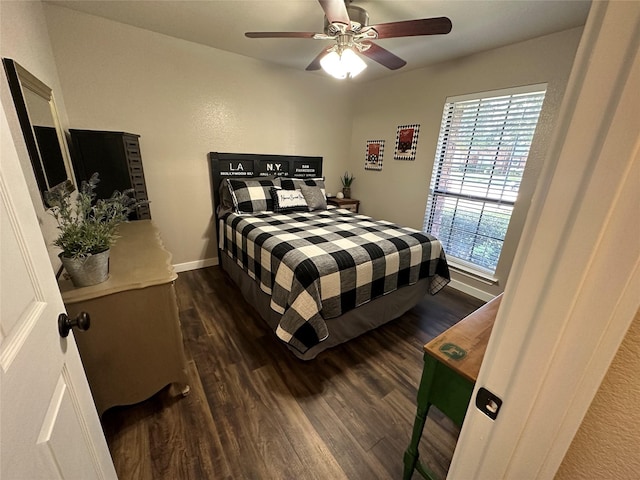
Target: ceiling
(478,25)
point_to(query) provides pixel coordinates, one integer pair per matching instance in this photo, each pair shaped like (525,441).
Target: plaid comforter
(318,265)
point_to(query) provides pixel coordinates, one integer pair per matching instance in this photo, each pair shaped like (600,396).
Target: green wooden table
(451,364)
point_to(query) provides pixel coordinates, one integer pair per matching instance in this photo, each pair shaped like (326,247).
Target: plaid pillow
(251,195)
(296,183)
(288,200)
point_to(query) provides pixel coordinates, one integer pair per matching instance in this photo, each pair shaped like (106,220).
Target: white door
(49,427)
(573,289)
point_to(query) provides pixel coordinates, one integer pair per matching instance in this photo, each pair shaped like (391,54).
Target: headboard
(247,165)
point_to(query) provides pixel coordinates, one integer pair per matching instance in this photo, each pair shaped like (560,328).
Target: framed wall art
(373,156)
(406,142)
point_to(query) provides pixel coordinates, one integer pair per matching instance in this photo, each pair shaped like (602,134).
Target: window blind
(481,155)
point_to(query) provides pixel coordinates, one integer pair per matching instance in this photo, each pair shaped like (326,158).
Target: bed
(319,276)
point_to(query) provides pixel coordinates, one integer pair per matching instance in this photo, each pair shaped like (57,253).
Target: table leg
(424,391)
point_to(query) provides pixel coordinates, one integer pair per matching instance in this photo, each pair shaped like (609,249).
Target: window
(482,150)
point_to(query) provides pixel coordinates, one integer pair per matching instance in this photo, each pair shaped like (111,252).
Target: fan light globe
(332,65)
(342,66)
(352,62)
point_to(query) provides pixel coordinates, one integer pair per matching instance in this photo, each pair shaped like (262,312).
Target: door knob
(65,324)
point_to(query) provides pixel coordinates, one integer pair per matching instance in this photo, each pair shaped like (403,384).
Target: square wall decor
(406,142)
(373,156)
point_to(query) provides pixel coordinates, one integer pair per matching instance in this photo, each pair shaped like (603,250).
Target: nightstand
(347,203)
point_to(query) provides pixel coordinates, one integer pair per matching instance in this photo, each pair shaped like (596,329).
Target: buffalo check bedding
(319,265)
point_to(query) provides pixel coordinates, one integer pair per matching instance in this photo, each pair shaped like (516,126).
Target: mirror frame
(20,78)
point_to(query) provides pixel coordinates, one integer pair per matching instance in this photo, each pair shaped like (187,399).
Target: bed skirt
(341,329)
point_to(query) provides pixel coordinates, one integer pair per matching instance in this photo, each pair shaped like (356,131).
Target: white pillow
(288,201)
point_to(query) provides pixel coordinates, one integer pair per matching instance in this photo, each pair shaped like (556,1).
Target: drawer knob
(65,324)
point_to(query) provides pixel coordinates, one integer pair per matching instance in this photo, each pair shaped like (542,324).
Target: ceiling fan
(349,26)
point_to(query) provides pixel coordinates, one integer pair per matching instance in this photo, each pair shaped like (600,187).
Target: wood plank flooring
(257,412)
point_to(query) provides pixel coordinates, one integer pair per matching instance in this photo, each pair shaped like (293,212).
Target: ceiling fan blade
(383,56)
(279,34)
(315,64)
(335,11)
(411,28)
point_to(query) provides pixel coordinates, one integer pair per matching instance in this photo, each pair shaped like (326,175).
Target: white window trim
(459,265)
(470,270)
(502,92)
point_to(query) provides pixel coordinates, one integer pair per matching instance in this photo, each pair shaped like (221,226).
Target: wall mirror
(41,128)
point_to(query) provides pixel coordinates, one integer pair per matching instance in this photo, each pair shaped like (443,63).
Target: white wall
(399,192)
(609,431)
(186,100)
(24,38)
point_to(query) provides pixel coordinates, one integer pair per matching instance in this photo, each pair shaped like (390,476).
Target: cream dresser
(133,347)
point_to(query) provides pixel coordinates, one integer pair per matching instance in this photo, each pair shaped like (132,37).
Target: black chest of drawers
(117,159)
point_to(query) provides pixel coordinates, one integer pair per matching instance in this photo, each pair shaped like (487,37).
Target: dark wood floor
(257,412)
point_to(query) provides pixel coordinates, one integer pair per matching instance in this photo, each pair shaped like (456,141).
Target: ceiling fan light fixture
(348,25)
(346,64)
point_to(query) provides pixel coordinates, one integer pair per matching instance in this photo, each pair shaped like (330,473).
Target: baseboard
(469,290)
(185,267)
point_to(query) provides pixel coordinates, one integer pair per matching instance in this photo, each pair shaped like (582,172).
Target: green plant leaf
(347,179)
(88,226)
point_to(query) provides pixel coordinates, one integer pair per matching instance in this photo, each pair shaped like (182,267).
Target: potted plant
(88,229)
(347,179)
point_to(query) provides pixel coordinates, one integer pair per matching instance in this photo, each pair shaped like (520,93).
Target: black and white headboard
(248,165)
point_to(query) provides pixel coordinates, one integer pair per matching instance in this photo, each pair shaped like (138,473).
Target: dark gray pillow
(296,183)
(226,200)
(314,197)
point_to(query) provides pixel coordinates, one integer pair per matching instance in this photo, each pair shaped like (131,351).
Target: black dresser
(117,159)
